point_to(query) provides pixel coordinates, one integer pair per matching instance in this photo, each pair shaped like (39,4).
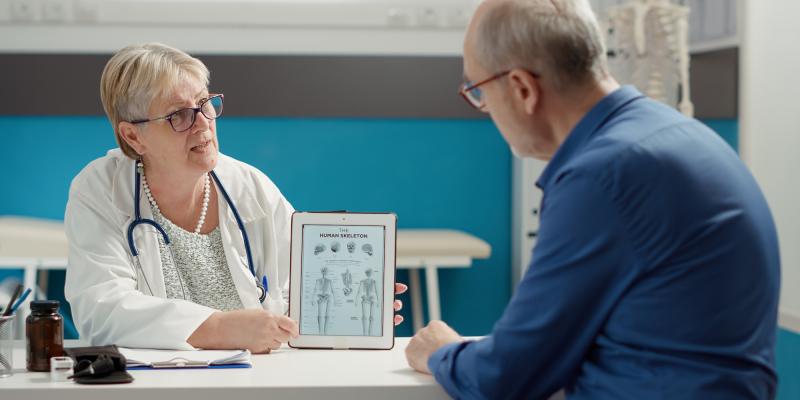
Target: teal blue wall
(432,173)
(728,129)
(441,173)
(788,364)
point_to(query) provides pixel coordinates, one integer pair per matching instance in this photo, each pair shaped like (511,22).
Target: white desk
(431,249)
(284,374)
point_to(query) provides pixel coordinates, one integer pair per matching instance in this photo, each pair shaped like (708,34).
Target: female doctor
(173,245)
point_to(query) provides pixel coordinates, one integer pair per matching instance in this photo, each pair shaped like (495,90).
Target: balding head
(557,39)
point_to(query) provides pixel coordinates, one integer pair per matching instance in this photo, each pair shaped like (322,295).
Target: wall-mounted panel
(307,86)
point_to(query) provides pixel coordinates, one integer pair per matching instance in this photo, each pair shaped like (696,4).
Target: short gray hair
(139,74)
(559,39)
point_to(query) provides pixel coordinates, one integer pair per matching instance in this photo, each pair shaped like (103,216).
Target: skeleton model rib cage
(649,48)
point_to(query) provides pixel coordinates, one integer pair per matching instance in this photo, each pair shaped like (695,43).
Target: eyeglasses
(183,119)
(472,93)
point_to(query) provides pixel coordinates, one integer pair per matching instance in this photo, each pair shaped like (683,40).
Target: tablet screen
(342,280)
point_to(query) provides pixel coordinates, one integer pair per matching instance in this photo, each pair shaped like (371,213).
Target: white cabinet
(526,199)
(713,25)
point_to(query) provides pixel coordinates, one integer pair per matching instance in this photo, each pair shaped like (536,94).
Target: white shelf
(714,45)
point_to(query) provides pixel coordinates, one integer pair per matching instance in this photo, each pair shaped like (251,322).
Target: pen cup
(6,346)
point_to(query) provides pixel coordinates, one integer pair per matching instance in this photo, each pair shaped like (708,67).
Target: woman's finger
(400,288)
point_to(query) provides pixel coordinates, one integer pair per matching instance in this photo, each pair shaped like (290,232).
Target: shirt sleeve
(581,265)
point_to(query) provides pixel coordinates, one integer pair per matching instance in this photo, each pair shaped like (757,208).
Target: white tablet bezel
(389,221)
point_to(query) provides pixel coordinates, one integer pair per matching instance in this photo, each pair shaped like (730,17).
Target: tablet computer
(341,284)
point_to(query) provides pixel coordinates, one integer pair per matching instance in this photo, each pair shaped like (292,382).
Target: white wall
(381,27)
(770,127)
(526,199)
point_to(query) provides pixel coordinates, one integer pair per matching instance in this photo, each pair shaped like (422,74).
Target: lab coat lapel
(241,190)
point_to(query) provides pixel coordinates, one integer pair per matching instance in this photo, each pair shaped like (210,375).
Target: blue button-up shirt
(655,276)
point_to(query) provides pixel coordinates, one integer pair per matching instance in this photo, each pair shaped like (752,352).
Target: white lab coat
(101,283)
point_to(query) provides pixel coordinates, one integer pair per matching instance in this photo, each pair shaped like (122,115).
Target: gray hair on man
(559,40)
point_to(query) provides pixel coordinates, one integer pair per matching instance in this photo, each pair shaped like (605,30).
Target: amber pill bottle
(44,331)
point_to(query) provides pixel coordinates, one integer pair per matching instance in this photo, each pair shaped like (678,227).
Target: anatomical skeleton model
(649,48)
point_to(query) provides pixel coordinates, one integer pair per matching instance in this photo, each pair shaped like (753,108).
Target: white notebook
(185,359)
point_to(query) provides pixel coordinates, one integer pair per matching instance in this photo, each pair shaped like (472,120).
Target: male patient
(656,272)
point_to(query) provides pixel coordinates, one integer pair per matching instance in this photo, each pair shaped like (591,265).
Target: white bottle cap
(60,368)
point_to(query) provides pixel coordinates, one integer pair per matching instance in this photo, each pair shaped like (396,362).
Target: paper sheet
(148,357)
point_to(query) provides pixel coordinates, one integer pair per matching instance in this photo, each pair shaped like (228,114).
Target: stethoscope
(138,220)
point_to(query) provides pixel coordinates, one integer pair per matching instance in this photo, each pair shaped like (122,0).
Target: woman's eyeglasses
(183,119)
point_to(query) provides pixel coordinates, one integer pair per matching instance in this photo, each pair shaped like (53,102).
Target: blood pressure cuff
(99,365)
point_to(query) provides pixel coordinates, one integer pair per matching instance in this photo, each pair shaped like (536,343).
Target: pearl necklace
(206,195)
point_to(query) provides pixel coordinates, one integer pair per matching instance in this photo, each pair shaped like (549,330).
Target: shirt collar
(585,129)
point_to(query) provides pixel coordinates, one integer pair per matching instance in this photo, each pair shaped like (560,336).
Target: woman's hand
(399,288)
(259,331)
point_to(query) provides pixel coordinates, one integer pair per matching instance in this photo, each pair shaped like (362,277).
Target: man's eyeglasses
(183,119)
(472,93)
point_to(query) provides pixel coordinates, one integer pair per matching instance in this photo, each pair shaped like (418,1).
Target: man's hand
(427,341)
(259,331)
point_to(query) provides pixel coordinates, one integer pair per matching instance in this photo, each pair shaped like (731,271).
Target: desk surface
(286,373)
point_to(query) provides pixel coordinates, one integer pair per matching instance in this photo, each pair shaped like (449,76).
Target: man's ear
(130,134)
(525,89)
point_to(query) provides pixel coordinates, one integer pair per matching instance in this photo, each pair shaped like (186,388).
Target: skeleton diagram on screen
(367,248)
(347,281)
(323,298)
(368,293)
(649,47)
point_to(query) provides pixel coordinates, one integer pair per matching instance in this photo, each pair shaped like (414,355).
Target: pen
(21,300)
(11,301)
